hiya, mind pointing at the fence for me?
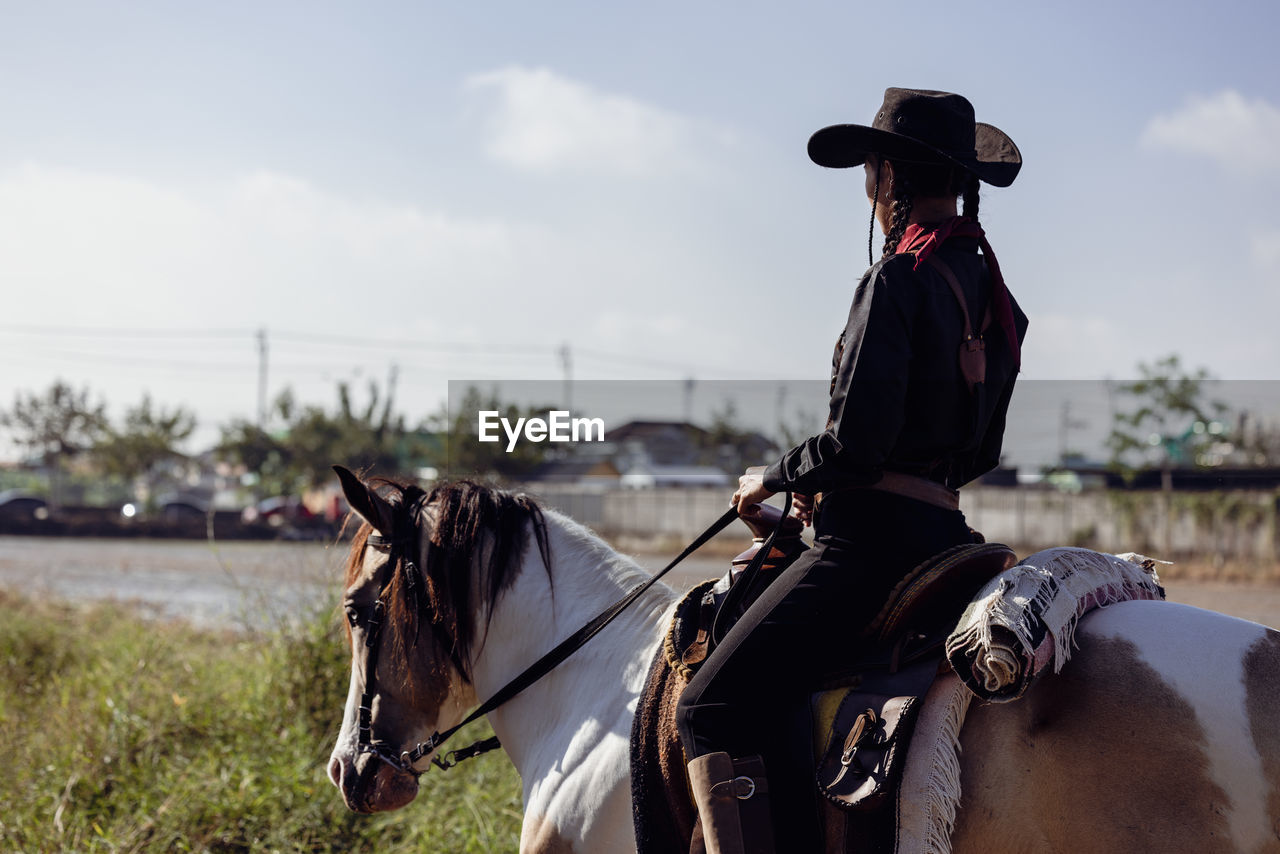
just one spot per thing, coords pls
(1236, 525)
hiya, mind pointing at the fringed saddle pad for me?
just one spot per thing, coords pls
(1025, 618)
(929, 794)
(662, 810)
(687, 642)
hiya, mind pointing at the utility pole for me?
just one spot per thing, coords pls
(782, 409)
(262, 378)
(566, 363)
(393, 373)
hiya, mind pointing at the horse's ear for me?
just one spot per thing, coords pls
(366, 503)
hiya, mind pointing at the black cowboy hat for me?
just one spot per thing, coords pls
(922, 126)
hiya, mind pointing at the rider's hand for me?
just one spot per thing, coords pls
(803, 507)
(751, 489)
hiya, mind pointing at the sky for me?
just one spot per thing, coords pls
(421, 193)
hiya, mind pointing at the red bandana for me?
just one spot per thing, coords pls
(923, 241)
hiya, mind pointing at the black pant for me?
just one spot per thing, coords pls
(750, 696)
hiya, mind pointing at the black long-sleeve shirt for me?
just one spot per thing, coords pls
(898, 399)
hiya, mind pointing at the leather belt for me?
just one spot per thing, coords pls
(911, 486)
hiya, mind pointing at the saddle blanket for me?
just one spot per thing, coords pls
(1025, 618)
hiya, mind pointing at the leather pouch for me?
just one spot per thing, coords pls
(862, 763)
(866, 728)
(973, 361)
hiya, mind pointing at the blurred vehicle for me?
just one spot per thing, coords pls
(18, 505)
(289, 517)
(277, 512)
(173, 508)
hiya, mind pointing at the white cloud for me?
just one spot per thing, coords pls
(89, 248)
(543, 121)
(1241, 134)
(369, 241)
(265, 250)
(269, 250)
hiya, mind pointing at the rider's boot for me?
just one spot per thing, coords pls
(732, 796)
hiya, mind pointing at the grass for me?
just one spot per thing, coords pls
(127, 735)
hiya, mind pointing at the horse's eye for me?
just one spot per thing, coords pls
(353, 617)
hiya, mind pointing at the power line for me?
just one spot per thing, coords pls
(403, 344)
(249, 335)
(114, 332)
(666, 364)
(252, 338)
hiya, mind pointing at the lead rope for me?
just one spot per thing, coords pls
(537, 670)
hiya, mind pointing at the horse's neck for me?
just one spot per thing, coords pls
(568, 733)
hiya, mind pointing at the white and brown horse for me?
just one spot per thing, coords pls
(1160, 735)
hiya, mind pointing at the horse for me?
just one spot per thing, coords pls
(1160, 734)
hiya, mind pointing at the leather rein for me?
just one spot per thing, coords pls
(372, 620)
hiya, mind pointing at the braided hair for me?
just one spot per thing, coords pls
(914, 180)
(899, 213)
(871, 229)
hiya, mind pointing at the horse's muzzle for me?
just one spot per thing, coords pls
(369, 785)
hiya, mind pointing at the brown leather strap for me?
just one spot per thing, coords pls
(919, 488)
(947, 273)
(907, 485)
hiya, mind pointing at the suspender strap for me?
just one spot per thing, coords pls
(973, 358)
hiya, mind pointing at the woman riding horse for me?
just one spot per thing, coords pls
(914, 415)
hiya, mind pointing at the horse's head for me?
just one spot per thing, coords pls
(424, 570)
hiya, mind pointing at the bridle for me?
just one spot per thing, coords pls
(371, 624)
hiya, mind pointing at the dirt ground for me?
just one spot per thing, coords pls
(252, 582)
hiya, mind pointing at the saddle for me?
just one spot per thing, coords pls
(863, 715)
(864, 718)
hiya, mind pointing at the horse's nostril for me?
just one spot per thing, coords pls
(335, 771)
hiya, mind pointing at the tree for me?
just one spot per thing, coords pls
(1172, 424)
(55, 427)
(368, 439)
(729, 446)
(467, 456)
(1257, 441)
(799, 427)
(149, 438)
(310, 440)
(264, 456)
